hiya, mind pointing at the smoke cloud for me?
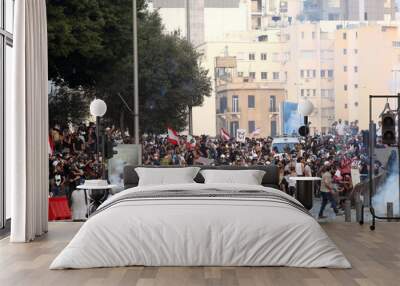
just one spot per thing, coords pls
(389, 191)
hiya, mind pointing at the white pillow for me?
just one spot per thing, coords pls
(248, 177)
(166, 176)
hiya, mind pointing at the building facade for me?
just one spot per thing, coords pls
(250, 106)
(367, 61)
(310, 70)
(257, 59)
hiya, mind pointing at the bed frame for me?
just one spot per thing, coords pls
(270, 179)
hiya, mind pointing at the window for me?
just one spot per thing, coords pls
(345, 106)
(330, 74)
(252, 75)
(263, 56)
(252, 126)
(314, 73)
(344, 36)
(356, 104)
(272, 103)
(302, 92)
(252, 57)
(313, 35)
(355, 68)
(273, 128)
(356, 86)
(345, 68)
(223, 104)
(308, 92)
(233, 127)
(345, 87)
(251, 101)
(344, 51)
(356, 51)
(275, 75)
(235, 104)
(323, 74)
(396, 44)
(308, 73)
(264, 75)
(302, 73)
(6, 64)
(302, 35)
(314, 92)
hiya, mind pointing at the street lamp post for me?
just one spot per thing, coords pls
(135, 75)
(305, 108)
(98, 108)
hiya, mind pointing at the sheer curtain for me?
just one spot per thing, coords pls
(27, 124)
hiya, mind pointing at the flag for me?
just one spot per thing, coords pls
(50, 145)
(190, 142)
(224, 135)
(173, 137)
(256, 132)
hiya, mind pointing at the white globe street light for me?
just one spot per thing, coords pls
(305, 108)
(98, 108)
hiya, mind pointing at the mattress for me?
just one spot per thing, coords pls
(201, 225)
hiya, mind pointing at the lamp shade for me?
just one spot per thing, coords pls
(306, 108)
(98, 108)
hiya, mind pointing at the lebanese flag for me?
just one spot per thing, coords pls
(50, 145)
(190, 142)
(224, 135)
(173, 137)
(256, 132)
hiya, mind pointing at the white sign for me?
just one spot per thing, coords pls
(241, 135)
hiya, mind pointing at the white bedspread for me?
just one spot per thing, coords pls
(202, 231)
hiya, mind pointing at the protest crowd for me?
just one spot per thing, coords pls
(73, 150)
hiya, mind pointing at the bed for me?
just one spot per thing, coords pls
(196, 224)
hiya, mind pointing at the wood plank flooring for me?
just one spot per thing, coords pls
(375, 257)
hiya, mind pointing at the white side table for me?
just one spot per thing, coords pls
(91, 202)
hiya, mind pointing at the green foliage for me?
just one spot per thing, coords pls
(66, 105)
(90, 47)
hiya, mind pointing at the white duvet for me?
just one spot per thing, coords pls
(200, 231)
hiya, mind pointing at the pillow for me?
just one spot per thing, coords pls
(248, 177)
(166, 176)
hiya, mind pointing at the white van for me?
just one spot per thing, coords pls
(282, 143)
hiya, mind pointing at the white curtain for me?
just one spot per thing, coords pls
(27, 124)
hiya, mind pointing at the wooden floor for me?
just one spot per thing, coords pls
(375, 257)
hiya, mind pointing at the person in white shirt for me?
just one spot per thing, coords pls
(299, 167)
(340, 128)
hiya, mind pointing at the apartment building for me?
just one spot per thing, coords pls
(367, 61)
(257, 59)
(309, 67)
(249, 105)
(346, 10)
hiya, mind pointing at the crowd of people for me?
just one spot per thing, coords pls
(329, 156)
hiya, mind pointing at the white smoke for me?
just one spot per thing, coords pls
(389, 191)
(293, 123)
(116, 173)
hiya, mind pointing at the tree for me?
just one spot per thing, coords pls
(66, 106)
(90, 47)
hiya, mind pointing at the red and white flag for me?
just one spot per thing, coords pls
(51, 145)
(256, 132)
(224, 134)
(173, 137)
(190, 142)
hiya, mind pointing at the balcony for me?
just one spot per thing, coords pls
(273, 110)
